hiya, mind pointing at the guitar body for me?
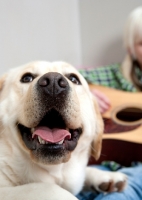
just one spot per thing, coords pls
(122, 139)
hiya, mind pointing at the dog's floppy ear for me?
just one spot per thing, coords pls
(97, 142)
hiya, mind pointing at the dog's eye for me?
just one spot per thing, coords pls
(73, 78)
(26, 78)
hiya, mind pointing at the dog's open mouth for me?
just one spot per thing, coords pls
(51, 135)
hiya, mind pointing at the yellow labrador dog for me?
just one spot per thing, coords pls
(49, 125)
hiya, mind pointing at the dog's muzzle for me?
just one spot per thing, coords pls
(51, 137)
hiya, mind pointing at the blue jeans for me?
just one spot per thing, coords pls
(133, 190)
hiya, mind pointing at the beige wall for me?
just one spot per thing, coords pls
(38, 30)
(82, 32)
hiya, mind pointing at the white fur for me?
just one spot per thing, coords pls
(21, 177)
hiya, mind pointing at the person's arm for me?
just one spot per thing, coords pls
(102, 99)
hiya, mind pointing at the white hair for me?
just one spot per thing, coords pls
(133, 30)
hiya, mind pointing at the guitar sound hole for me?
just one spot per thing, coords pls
(130, 114)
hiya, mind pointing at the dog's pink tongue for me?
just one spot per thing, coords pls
(52, 135)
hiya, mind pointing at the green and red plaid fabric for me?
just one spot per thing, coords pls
(109, 76)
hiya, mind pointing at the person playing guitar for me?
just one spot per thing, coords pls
(126, 76)
(122, 111)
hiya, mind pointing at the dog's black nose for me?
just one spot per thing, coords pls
(53, 83)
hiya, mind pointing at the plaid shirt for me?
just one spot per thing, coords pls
(109, 76)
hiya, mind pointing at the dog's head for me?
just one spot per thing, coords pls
(48, 110)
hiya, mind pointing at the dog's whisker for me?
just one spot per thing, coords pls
(93, 149)
(96, 151)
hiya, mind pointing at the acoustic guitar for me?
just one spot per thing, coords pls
(122, 138)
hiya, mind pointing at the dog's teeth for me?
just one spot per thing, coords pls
(61, 142)
(41, 141)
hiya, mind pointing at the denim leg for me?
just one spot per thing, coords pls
(133, 190)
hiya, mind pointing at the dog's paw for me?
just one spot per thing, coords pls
(110, 182)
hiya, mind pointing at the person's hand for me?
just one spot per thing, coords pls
(102, 99)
